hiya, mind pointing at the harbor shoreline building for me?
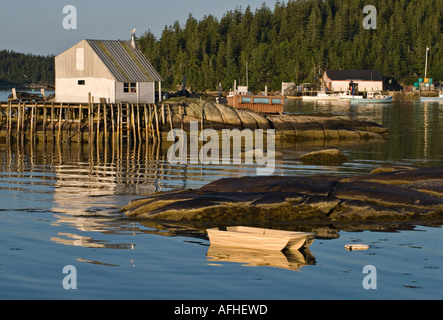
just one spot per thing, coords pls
(110, 71)
(343, 80)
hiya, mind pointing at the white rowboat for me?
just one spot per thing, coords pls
(260, 238)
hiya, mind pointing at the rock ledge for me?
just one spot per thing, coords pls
(390, 194)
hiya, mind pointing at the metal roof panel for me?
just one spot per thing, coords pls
(125, 62)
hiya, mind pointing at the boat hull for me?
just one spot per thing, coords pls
(320, 97)
(259, 238)
(434, 99)
(351, 97)
(375, 100)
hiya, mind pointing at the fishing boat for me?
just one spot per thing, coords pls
(433, 99)
(348, 95)
(374, 97)
(322, 96)
(260, 238)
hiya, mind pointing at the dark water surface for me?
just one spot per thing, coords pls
(60, 206)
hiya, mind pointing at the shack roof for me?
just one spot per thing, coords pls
(362, 75)
(125, 62)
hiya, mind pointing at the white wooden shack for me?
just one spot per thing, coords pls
(341, 80)
(107, 70)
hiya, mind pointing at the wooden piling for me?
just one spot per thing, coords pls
(23, 119)
(145, 109)
(157, 121)
(19, 116)
(67, 122)
(98, 122)
(141, 122)
(79, 127)
(170, 117)
(105, 122)
(90, 122)
(119, 119)
(138, 123)
(9, 115)
(45, 114)
(32, 121)
(151, 125)
(181, 115)
(59, 135)
(163, 118)
(133, 122)
(52, 120)
(112, 119)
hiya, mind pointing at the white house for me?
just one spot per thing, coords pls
(362, 80)
(114, 71)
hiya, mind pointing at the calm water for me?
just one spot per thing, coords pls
(59, 207)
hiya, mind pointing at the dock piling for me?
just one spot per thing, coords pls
(131, 122)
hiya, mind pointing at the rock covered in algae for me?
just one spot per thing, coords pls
(300, 127)
(391, 194)
(324, 157)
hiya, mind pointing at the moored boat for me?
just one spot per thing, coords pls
(322, 96)
(374, 97)
(259, 238)
(348, 95)
(433, 99)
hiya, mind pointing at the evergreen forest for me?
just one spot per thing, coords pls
(297, 40)
(18, 69)
(292, 41)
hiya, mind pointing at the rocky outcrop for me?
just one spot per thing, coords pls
(389, 194)
(288, 126)
(330, 157)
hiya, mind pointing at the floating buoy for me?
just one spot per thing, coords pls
(359, 246)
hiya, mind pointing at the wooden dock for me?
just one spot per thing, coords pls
(92, 122)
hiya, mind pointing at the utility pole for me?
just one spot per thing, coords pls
(247, 75)
(426, 64)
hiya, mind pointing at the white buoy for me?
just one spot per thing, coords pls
(358, 246)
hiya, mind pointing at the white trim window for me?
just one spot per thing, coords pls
(130, 87)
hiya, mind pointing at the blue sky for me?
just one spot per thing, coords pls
(31, 26)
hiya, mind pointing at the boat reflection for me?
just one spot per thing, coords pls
(72, 239)
(286, 259)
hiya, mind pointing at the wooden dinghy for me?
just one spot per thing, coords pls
(259, 238)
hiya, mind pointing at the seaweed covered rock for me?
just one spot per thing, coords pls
(288, 126)
(324, 157)
(402, 194)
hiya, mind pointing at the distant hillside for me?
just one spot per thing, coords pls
(18, 69)
(297, 40)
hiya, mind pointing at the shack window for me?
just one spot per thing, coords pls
(261, 100)
(130, 87)
(81, 82)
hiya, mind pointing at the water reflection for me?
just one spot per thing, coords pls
(287, 259)
(83, 185)
(72, 239)
(415, 130)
